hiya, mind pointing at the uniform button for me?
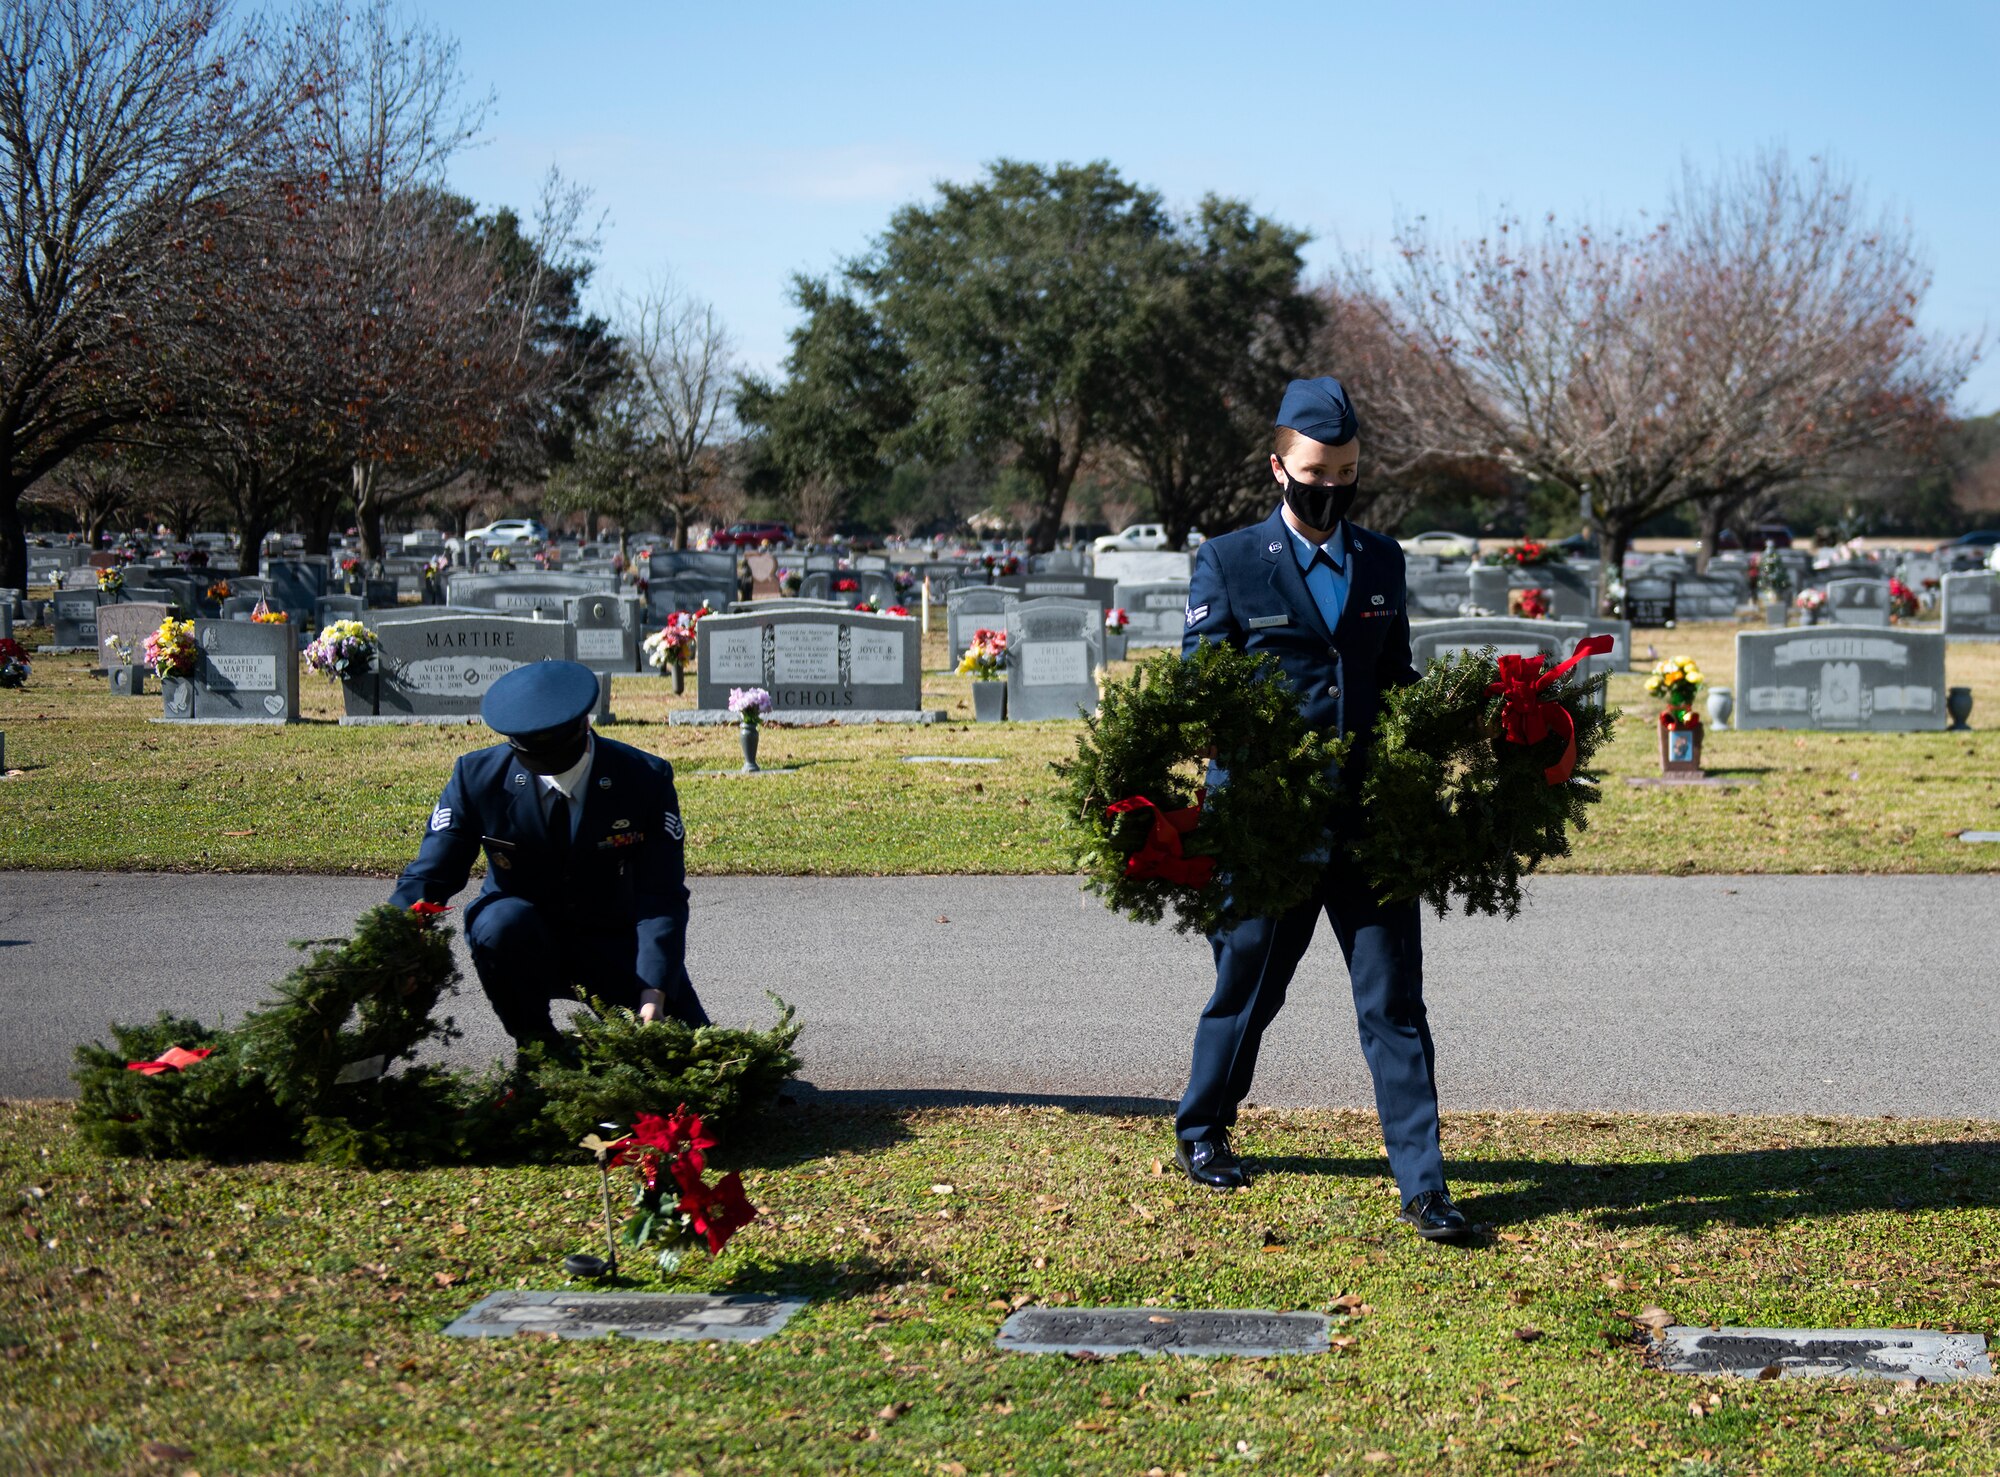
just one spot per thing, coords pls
(1333, 691)
(1334, 652)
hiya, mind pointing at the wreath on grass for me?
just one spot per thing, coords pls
(1478, 774)
(1147, 834)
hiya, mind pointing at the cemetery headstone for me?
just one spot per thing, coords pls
(1971, 606)
(607, 631)
(1157, 610)
(1878, 681)
(331, 608)
(1438, 594)
(131, 623)
(661, 1316)
(818, 666)
(1108, 1332)
(1709, 597)
(1061, 586)
(248, 673)
(763, 576)
(973, 608)
(1858, 602)
(517, 593)
(74, 618)
(1834, 1353)
(687, 591)
(1055, 649)
(1135, 567)
(1649, 600)
(437, 665)
(1488, 585)
(1507, 635)
(1569, 591)
(295, 587)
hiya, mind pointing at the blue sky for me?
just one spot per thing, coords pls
(733, 145)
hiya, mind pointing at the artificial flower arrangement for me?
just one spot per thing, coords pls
(263, 615)
(1812, 602)
(500, 558)
(1001, 564)
(545, 558)
(110, 581)
(1528, 604)
(867, 607)
(846, 585)
(1116, 619)
(436, 565)
(673, 645)
(986, 657)
(1525, 554)
(906, 581)
(1904, 602)
(349, 564)
(217, 592)
(170, 651)
(791, 581)
(750, 704)
(342, 649)
(1676, 684)
(14, 664)
(1771, 578)
(121, 654)
(673, 1205)
(897, 610)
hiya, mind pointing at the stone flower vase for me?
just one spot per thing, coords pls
(1721, 705)
(989, 701)
(128, 681)
(747, 735)
(177, 698)
(680, 678)
(1114, 645)
(1958, 704)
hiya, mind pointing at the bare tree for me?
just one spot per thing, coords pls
(1803, 341)
(91, 487)
(117, 119)
(679, 356)
(817, 503)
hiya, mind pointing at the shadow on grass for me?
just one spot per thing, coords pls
(1753, 1188)
(1110, 1105)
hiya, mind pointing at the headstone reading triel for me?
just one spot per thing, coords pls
(1055, 649)
(1878, 681)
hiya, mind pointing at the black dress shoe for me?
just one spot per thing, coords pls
(1435, 1217)
(1210, 1162)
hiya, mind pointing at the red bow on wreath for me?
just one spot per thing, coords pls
(1162, 856)
(1528, 717)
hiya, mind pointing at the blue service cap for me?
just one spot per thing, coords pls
(539, 696)
(1319, 409)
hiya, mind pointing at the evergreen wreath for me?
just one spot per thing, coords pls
(1455, 803)
(1144, 832)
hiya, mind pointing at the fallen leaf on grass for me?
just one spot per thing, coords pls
(239, 833)
(1620, 1284)
(1344, 1341)
(1697, 1410)
(1527, 1333)
(944, 1189)
(893, 1412)
(166, 1451)
(1656, 1319)
(1374, 1456)
(444, 1279)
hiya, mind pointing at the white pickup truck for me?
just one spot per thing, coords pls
(1140, 538)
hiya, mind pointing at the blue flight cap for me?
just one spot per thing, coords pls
(539, 696)
(1319, 409)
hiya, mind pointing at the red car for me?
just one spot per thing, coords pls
(750, 535)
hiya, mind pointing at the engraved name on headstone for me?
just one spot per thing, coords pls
(1243, 1333)
(814, 663)
(667, 1317)
(1055, 649)
(1882, 681)
(439, 667)
(1157, 612)
(1858, 602)
(525, 592)
(73, 614)
(1836, 1353)
(248, 673)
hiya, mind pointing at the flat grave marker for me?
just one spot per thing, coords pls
(1833, 1353)
(661, 1316)
(1107, 1332)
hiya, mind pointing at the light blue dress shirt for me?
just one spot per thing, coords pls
(1326, 581)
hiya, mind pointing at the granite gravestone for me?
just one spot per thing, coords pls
(1649, 600)
(1507, 635)
(437, 666)
(1567, 590)
(331, 608)
(688, 590)
(1438, 594)
(819, 666)
(1158, 612)
(607, 632)
(1709, 597)
(1971, 606)
(664, 1316)
(714, 564)
(521, 593)
(1108, 1332)
(1055, 649)
(295, 587)
(131, 623)
(1836, 1353)
(1857, 602)
(1061, 587)
(247, 673)
(1487, 588)
(974, 608)
(1877, 681)
(73, 614)
(1132, 567)
(1061, 561)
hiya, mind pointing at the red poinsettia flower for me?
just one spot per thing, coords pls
(719, 1211)
(173, 1059)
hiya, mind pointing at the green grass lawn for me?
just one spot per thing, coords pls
(276, 1318)
(102, 787)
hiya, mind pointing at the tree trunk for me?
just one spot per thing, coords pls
(1614, 539)
(680, 530)
(1713, 514)
(1043, 531)
(13, 538)
(250, 544)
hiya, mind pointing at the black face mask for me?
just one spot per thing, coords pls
(1319, 507)
(551, 751)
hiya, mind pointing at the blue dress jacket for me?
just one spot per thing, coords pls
(624, 873)
(1247, 590)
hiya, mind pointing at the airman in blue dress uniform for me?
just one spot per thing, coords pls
(1328, 600)
(585, 883)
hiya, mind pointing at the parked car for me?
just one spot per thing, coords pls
(511, 531)
(1444, 545)
(1761, 536)
(750, 535)
(1136, 538)
(1983, 538)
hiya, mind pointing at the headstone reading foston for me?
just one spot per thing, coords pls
(249, 673)
(73, 614)
(1971, 605)
(819, 666)
(973, 608)
(438, 669)
(1055, 649)
(525, 592)
(666, 1316)
(1107, 1332)
(1157, 612)
(1838, 1353)
(1878, 681)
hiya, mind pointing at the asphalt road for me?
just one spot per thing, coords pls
(1837, 995)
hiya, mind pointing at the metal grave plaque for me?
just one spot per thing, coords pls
(1839, 1353)
(1242, 1333)
(671, 1317)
